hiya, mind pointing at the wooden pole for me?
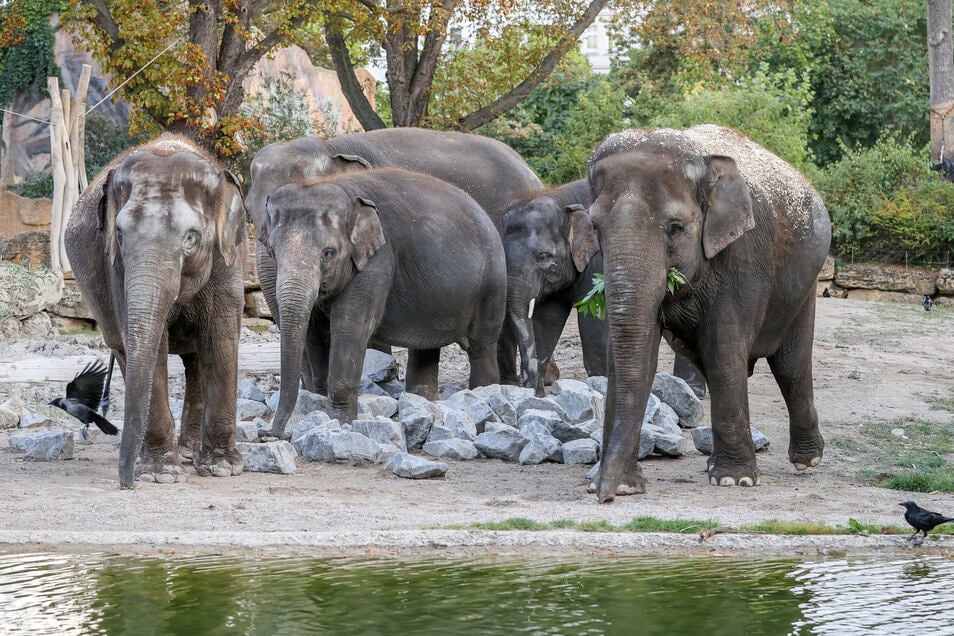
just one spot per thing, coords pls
(57, 254)
(78, 128)
(941, 74)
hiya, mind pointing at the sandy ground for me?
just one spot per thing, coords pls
(873, 362)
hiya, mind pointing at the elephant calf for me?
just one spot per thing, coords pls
(157, 245)
(552, 253)
(388, 257)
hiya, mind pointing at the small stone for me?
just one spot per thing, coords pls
(383, 431)
(370, 388)
(677, 393)
(247, 389)
(759, 439)
(417, 427)
(668, 444)
(592, 473)
(540, 404)
(568, 384)
(246, 431)
(461, 424)
(702, 439)
(580, 451)
(414, 467)
(247, 410)
(8, 417)
(504, 444)
(667, 419)
(498, 402)
(474, 406)
(271, 457)
(379, 366)
(452, 448)
(598, 383)
(45, 445)
(32, 419)
(386, 453)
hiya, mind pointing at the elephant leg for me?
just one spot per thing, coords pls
(507, 354)
(732, 461)
(317, 345)
(549, 318)
(791, 365)
(683, 368)
(632, 482)
(593, 339)
(422, 367)
(190, 427)
(159, 461)
(218, 361)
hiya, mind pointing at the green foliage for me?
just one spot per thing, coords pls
(674, 280)
(861, 182)
(40, 187)
(594, 303)
(104, 141)
(26, 50)
(652, 524)
(637, 524)
(915, 224)
(771, 108)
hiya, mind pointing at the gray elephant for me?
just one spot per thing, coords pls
(488, 170)
(384, 256)
(552, 253)
(749, 234)
(157, 246)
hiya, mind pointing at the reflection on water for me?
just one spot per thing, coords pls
(105, 594)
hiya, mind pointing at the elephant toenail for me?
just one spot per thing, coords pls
(745, 481)
(727, 481)
(814, 461)
(799, 466)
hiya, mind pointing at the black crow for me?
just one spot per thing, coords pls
(83, 397)
(826, 293)
(922, 520)
(927, 302)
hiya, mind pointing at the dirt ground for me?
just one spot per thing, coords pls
(873, 362)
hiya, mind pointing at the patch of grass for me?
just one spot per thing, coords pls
(258, 328)
(652, 524)
(639, 524)
(774, 526)
(515, 523)
(942, 403)
(79, 332)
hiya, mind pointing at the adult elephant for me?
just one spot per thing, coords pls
(488, 170)
(157, 246)
(384, 256)
(749, 234)
(552, 253)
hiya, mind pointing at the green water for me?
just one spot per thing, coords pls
(103, 594)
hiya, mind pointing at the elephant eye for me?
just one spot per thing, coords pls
(190, 241)
(543, 257)
(119, 238)
(327, 254)
(674, 227)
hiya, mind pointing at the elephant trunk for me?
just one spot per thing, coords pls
(635, 332)
(265, 267)
(149, 300)
(296, 297)
(521, 301)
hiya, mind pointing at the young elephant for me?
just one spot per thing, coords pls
(157, 245)
(386, 256)
(552, 253)
(749, 234)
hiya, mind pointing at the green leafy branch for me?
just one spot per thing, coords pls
(594, 303)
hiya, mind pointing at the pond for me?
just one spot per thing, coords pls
(55, 593)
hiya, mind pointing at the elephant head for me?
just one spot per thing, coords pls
(658, 204)
(319, 236)
(172, 222)
(547, 244)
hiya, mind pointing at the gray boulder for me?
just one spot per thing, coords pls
(44, 445)
(414, 467)
(338, 446)
(383, 431)
(540, 404)
(247, 410)
(679, 395)
(567, 384)
(417, 427)
(271, 457)
(505, 443)
(460, 424)
(452, 448)
(702, 439)
(32, 419)
(667, 419)
(371, 388)
(580, 451)
(474, 406)
(759, 439)
(598, 383)
(541, 446)
(379, 366)
(377, 405)
(246, 431)
(494, 396)
(579, 402)
(247, 389)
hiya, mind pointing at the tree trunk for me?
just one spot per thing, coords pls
(941, 71)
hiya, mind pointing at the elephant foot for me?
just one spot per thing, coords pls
(807, 453)
(187, 450)
(161, 472)
(218, 464)
(632, 483)
(722, 474)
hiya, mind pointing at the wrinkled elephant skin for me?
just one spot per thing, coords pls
(749, 234)
(157, 246)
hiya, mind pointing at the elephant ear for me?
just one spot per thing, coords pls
(109, 205)
(229, 216)
(367, 236)
(350, 162)
(582, 237)
(727, 205)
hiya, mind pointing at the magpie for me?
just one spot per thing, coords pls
(922, 520)
(83, 397)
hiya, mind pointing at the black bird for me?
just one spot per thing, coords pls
(927, 302)
(826, 293)
(83, 397)
(922, 520)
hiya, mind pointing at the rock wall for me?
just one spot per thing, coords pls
(894, 283)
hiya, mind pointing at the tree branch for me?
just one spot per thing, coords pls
(507, 101)
(360, 106)
(104, 21)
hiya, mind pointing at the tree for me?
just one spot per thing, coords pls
(941, 72)
(196, 87)
(412, 33)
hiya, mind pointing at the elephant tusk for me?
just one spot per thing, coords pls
(533, 302)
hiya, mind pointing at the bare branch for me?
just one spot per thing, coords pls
(360, 106)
